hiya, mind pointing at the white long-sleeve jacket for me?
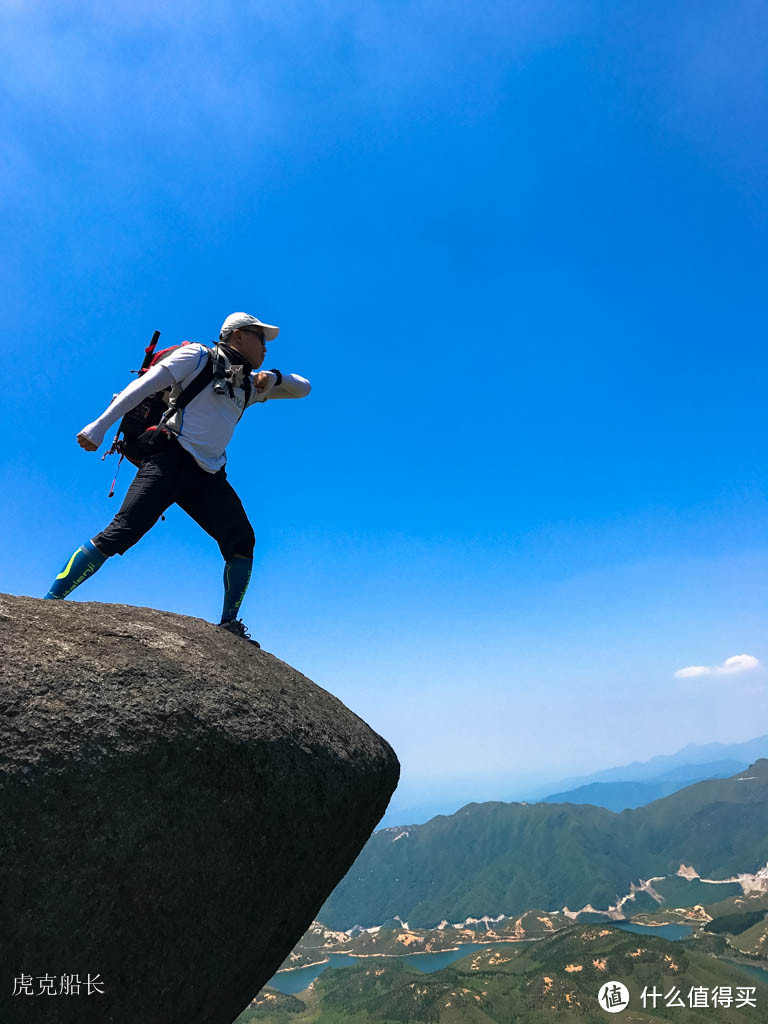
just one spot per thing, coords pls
(205, 427)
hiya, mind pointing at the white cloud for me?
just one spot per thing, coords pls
(738, 663)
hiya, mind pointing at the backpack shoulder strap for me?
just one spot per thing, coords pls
(247, 389)
(198, 384)
(214, 370)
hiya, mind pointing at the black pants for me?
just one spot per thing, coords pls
(173, 477)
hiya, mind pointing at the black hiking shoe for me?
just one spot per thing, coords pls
(237, 628)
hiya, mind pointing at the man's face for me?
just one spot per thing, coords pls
(249, 342)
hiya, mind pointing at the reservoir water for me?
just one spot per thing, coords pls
(675, 932)
(292, 982)
(757, 972)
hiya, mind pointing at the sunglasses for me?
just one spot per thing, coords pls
(253, 330)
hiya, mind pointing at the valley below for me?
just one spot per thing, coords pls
(434, 923)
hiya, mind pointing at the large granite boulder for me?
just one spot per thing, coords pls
(175, 806)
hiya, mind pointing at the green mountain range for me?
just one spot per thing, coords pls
(556, 979)
(497, 858)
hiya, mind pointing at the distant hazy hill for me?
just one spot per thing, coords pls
(497, 858)
(666, 765)
(618, 796)
(685, 766)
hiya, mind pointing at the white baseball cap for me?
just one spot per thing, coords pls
(237, 320)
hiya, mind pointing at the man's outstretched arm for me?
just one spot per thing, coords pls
(272, 384)
(268, 384)
(157, 379)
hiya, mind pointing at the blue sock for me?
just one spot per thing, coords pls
(83, 563)
(237, 575)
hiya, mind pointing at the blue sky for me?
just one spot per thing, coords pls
(520, 252)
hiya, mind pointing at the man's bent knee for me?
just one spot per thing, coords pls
(238, 546)
(118, 537)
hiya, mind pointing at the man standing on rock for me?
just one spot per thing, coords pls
(187, 468)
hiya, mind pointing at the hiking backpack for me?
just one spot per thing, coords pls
(143, 429)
